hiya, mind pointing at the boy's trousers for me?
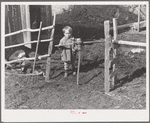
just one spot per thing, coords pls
(66, 64)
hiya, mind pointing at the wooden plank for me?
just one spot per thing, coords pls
(28, 30)
(37, 46)
(32, 58)
(139, 18)
(107, 41)
(90, 42)
(50, 48)
(115, 52)
(130, 43)
(17, 45)
(127, 25)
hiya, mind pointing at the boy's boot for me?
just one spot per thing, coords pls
(66, 74)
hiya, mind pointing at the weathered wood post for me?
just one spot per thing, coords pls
(115, 52)
(50, 48)
(139, 18)
(107, 54)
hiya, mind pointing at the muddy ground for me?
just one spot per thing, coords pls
(60, 93)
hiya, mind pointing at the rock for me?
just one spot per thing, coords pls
(17, 55)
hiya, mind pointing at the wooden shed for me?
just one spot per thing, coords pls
(18, 17)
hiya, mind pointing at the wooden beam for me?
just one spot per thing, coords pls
(115, 52)
(17, 45)
(91, 42)
(139, 18)
(28, 30)
(107, 61)
(50, 48)
(130, 43)
(87, 42)
(23, 59)
(127, 25)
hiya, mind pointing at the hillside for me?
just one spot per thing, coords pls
(88, 20)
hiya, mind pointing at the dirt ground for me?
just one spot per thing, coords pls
(60, 93)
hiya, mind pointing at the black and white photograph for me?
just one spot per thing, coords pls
(75, 61)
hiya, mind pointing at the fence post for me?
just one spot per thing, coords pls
(115, 48)
(107, 54)
(139, 18)
(50, 48)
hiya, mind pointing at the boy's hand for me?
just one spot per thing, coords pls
(61, 47)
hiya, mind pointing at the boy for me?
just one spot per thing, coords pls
(68, 51)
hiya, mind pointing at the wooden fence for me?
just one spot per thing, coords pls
(112, 44)
(37, 41)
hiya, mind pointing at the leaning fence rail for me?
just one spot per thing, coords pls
(130, 43)
(21, 44)
(128, 25)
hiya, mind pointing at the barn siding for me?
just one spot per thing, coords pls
(13, 23)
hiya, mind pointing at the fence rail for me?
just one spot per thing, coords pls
(128, 25)
(130, 43)
(28, 30)
(111, 76)
(86, 42)
(23, 59)
(17, 45)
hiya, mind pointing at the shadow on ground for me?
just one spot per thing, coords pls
(129, 78)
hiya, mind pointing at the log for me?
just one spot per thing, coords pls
(127, 25)
(17, 45)
(115, 53)
(139, 18)
(90, 42)
(28, 30)
(32, 58)
(130, 43)
(107, 42)
(50, 48)
(87, 42)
